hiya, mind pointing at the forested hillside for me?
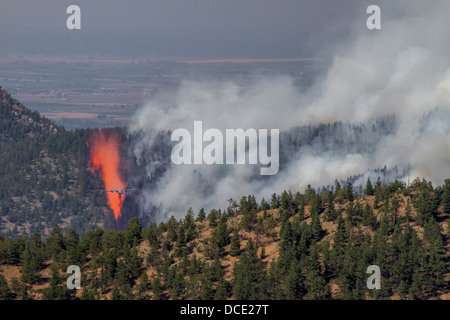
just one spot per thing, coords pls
(315, 245)
(44, 180)
(292, 246)
(17, 121)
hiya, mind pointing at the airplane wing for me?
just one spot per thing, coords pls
(117, 190)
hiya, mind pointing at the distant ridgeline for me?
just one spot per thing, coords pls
(17, 121)
(341, 139)
(154, 147)
(337, 137)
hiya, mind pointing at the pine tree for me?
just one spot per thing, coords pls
(337, 189)
(446, 196)
(29, 268)
(178, 288)
(110, 265)
(402, 290)
(316, 227)
(376, 201)
(350, 213)
(316, 206)
(212, 218)
(37, 251)
(395, 205)
(55, 244)
(339, 243)
(5, 290)
(72, 244)
(57, 291)
(294, 285)
(133, 263)
(310, 194)
(264, 205)
(235, 246)
(437, 267)
(301, 210)
(122, 274)
(274, 202)
(249, 273)
(263, 253)
(201, 215)
(190, 225)
(133, 233)
(116, 294)
(195, 266)
(285, 200)
(157, 288)
(206, 290)
(385, 227)
(408, 210)
(221, 292)
(368, 191)
(286, 247)
(368, 218)
(220, 233)
(348, 194)
(143, 287)
(377, 191)
(152, 235)
(193, 288)
(414, 291)
(215, 270)
(317, 288)
(23, 291)
(181, 243)
(172, 234)
(330, 212)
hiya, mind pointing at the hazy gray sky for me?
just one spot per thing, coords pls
(190, 28)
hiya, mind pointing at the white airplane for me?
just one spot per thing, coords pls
(118, 191)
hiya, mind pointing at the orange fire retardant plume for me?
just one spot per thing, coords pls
(104, 157)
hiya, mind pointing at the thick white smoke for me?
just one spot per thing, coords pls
(402, 69)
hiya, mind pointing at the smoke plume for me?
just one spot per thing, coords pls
(382, 103)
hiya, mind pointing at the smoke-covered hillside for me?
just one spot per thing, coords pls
(317, 155)
(170, 190)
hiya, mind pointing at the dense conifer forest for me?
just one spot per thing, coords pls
(311, 245)
(292, 246)
(44, 178)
